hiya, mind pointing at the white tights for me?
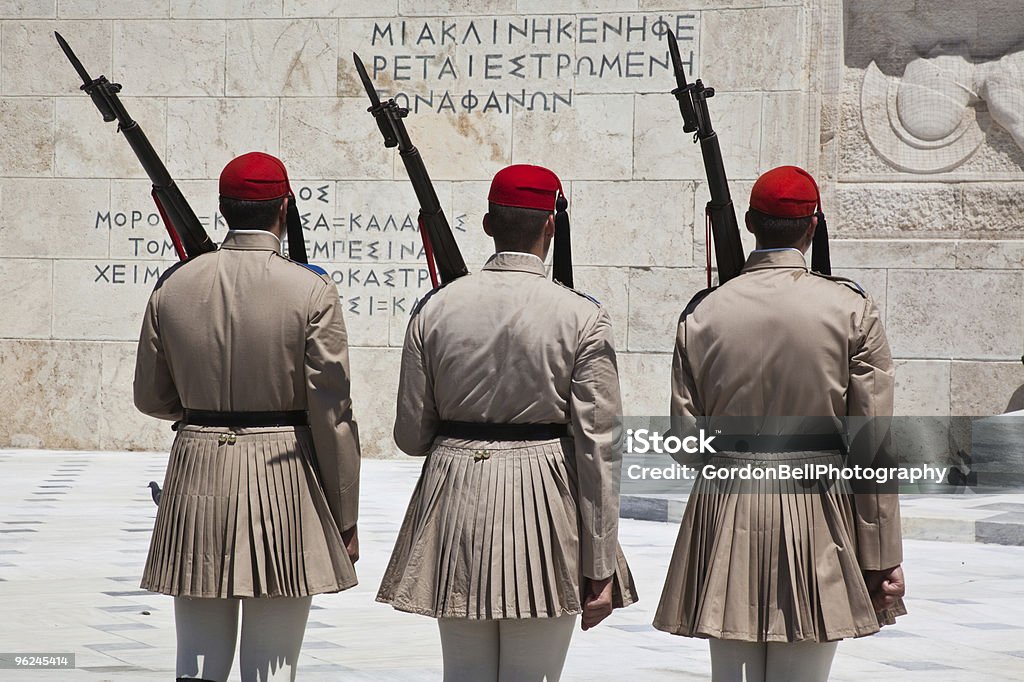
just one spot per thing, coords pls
(735, 661)
(272, 631)
(526, 650)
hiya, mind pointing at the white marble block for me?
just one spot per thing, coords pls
(179, 58)
(283, 58)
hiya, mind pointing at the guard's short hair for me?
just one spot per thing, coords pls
(514, 228)
(249, 215)
(777, 233)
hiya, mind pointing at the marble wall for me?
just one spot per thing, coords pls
(580, 86)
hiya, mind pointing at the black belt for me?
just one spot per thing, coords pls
(808, 442)
(245, 419)
(486, 431)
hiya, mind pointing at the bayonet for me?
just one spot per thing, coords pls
(383, 113)
(683, 90)
(367, 83)
(75, 61)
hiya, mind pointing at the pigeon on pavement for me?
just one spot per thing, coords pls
(154, 489)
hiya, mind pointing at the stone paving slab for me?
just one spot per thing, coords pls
(996, 518)
(70, 585)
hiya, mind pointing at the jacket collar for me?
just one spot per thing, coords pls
(765, 259)
(251, 240)
(517, 262)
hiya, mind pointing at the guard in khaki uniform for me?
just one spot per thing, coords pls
(775, 572)
(510, 390)
(247, 350)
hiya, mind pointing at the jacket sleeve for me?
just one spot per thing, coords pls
(685, 401)
(154, 389)
(595, 410)
(870, 406)
(328, 397)
(416, 417)
(685, 408)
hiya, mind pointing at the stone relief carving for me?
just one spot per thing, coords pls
(928, 120)
(941, 82)
(1001, 85)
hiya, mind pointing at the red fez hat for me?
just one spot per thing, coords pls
(525, 186)
(254, 177)
(786, 192)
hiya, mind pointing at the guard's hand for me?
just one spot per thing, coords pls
(886, 587)
(597, 602)
(351, 539)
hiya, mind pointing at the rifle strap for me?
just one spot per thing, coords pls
(175, 239)
(428, 251)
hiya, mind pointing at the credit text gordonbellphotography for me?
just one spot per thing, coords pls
(511, 340)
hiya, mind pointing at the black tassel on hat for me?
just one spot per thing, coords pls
(296, 240)
(561, 261)
(820, 261)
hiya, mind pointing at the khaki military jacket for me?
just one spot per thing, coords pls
(507, 345)
(779, 341)
(245, 329)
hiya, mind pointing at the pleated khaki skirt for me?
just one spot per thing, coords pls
(492, 532)
(246, 518)
(768, 561)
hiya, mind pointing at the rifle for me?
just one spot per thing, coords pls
(719, 214)
(184, 228)
(438, 241)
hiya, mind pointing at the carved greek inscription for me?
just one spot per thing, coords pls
(376, 257)
(496, 65)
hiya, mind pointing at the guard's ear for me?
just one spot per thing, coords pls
(549, 226)
(809, 234)
(749, 223)
(282, 213)
(487, 225)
